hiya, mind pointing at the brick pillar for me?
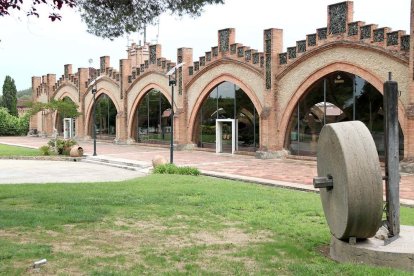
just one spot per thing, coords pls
(50, 89)
(83, 76)
(36, 81)
(273, 45)
(121, 129)
(105, 63)
(181, 121)
(339, 15)
(409, 128)
(125, 71)
(226, 37)
(68, 70)
(50, 83)
(154, 53)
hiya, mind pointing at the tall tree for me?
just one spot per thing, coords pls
(54, 6)
(9, 96)
(114, 18)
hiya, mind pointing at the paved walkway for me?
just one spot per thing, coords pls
(291, 173)
(44, 171)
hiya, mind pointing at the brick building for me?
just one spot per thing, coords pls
(266, 102)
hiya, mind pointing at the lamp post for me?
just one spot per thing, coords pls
(94, 90)
(94, 120)
(172, 81)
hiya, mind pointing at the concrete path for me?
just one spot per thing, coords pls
(297, 174)
(40, 171)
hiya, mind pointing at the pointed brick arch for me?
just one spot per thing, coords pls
(104, 86)
(136, 101)
(61, 97)
(206, 91)
(67, 90)
(373, 79)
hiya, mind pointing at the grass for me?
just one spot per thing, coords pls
(6, 150)
(168, 225)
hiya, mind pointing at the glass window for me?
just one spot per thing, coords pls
(228, 101)
(338, 97)
(153, 120)
(60, 117)
(105, 118)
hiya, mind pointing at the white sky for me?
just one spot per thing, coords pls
(34, 47)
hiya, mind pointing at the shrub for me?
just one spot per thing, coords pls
(11, 125)
(62, 146)
(188, 171)
(45, 150)
(173, 169)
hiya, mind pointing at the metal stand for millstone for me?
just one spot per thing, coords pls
(392, 163)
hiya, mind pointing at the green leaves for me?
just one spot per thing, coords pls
(173, 169)
(111, 19)
(9, 96)
(67, 108)
(11, 125)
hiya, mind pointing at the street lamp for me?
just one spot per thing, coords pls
(172, 81)
(94, 90)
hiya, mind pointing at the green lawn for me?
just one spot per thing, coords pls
(6, 150)
(167, 225)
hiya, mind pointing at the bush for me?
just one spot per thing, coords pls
(62, 146)
(173, 169)
(45, 150)
(11, 125)
(188, 171)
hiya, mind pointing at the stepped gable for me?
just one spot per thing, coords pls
(105, 69)
(342, 28)
(227, 49)
(147, 59)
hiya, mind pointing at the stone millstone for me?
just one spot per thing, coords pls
(353, 207)
(158, 160)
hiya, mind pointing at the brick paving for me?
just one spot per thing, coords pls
(294, 172)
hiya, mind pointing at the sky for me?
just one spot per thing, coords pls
(33, 46)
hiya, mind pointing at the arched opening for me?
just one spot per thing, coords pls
(152, 120)
(59, 125)
(227, 101)
(337, 97)
(105, 118)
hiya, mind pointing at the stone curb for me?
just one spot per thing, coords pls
(281, 184)
(43, 158)
(261, 181)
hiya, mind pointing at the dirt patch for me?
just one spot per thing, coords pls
(124, 243)
(323, 250)
(230, 236)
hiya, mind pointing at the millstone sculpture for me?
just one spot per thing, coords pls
(351, 187)
(349, 176)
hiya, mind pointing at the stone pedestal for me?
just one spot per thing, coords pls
(398, 254)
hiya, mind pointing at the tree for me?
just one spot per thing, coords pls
(54, 5)
(11, 125)
(114, 18)
(9, 96)
(68, 108)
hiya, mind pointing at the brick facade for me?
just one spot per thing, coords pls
(274, 80)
